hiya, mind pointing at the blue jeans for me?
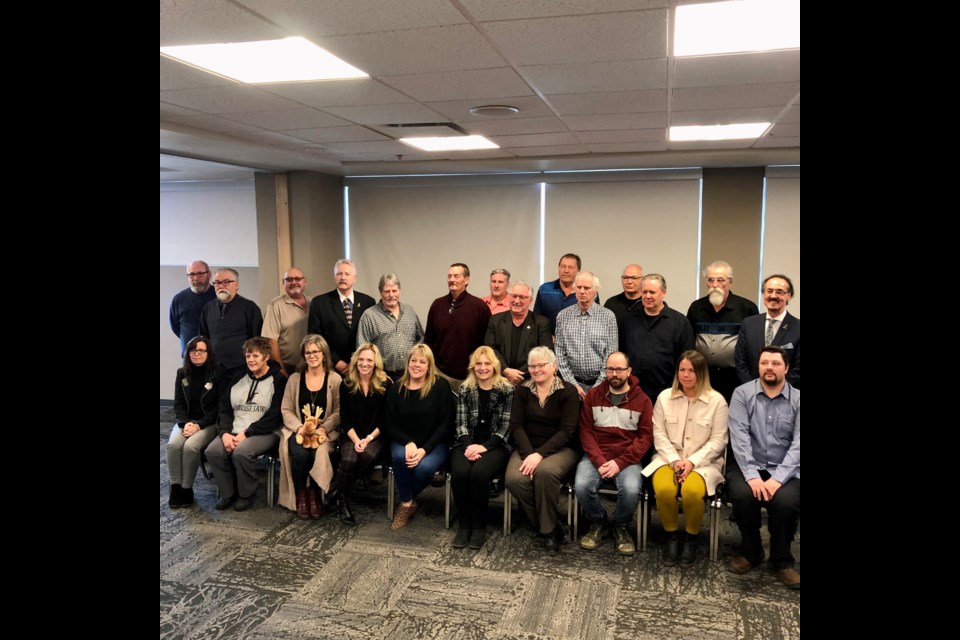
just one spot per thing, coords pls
(410, 482)
(628, 482)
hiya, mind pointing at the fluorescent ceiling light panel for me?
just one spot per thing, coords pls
(719, 132)
(450, 143)
(287, 60)
(736, 27)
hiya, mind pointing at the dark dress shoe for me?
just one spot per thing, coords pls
(242, 504)
(225, 503)
(346, 515)
(303, 511)
(478, 537)
(554, 540)
(176, 496)
(316, 510)
(671, 551)
(462, 538)
(689, 553)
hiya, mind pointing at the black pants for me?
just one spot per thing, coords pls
(301, 461)
(471, 483)
(353, 465)
(783, 514)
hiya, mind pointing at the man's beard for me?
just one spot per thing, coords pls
(715, 297)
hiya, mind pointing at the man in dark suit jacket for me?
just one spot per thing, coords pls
(328, 315)
(777, 292)
(513, 334)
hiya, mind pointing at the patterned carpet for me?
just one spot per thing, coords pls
(263, 574)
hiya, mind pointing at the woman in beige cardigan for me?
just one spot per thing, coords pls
(317, 386)
(690, 436)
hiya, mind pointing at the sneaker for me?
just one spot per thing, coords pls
(790, 577)
(598, 531)
(402, 516)
(462, 538)
(740, 565)
(225, 503)
(623, 541)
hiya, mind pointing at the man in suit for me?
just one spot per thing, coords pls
(513, 334)
(335, 315)
(775, 327)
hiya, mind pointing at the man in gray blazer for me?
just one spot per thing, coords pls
(513, 334)
(775, 327)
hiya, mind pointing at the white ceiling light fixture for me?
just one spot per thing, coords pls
(719, 132)
(450, 143)
(266, 61)
(736, 27)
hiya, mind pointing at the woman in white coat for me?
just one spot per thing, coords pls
(690, 436)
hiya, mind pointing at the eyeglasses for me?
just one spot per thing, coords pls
(222, 283)
(197, 274)
(534, 367)
(779, 292)
(198, 350)
(313, 354)
(520, 297)
(716, 281)
(617, 370)
(294, 279)
(630, 277)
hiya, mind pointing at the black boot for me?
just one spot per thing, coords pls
(672, 549)
(343, 510)
(176, 496)
(478, 535)
(186, 497)
(463, 534)
(689, 553)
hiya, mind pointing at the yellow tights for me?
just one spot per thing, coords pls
(692, 492)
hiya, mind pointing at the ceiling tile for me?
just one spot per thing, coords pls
(791, 116)
(338, 93)
(167, 110)
(213, 123)
(236, 99)
(626, 147)
(596, 38)
(337, 134)
(738, 69)
(341, 17)
(495, 127)
(711, 144)
(724, 116)
(386, 113)
(735, 97)
(598, 76)
(381, 146)
(555, 150)
(633, 135)
(176, 75)
(424, 50)
(575, 104)
(617, 121)
(304, 118)
(459, 110)
(512, 9)
(535, 140)
(785, 131)
(768, 142)
(209, 21)
(463, 85)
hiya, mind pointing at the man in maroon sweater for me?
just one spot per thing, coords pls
(616, 430)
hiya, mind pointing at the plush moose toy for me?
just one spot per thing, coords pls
(309, 435)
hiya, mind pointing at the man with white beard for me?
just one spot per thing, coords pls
(229, 321)
(716, 320)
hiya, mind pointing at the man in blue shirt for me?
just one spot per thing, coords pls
(553, 297)
(186, 306)
(764, 428)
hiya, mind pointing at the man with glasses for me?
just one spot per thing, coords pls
(616, 431)
(498, 301)
(513, 334)
(716, 319)
(285, 322)
(229, 321)
(586, 335)
(776, 327)
(186, 306)
(627, 302)
(335, 315)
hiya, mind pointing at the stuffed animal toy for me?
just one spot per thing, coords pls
(309, 435)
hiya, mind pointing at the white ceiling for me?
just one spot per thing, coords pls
(595, 82)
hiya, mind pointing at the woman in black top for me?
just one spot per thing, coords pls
(363, 397)
(419, 423)
(196, 400)
(483, 447)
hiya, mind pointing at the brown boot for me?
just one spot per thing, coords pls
(316, 506)
(302, 512)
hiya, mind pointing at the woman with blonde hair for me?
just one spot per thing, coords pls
(483, 443)
(690, 436)
(419, 423)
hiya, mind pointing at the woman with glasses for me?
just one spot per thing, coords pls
(483, 443)
(419, 423)
(313, 390)
(196, 400)
(363, 401)
(246, 429)
(544, 419)
(690, 436)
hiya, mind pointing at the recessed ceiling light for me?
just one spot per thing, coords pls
(719, 132)
(736, 27)
(287, 60)
(450, 143)
(494, 110)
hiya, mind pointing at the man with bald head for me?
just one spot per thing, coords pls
(229, 321)
(285, 322)
(628, 301)
(586, 335)
(186, 306)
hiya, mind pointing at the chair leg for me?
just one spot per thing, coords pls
(644, 520)
(715, 505)
(203, 467)
(576, 517)
(447, 490)
(507, 513)
(571, 512)
(271, 481)
(390, 489)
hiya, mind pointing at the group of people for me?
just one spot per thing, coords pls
(570, 391)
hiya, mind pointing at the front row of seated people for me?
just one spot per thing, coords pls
(528, 433)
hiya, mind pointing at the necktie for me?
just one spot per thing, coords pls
(770, 331)
(348, 311)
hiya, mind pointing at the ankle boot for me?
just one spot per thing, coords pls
(302, 511)
(672, 549)
(689, 553)
(316, 510)
(186, 496)
(176, 497)
(343, 510)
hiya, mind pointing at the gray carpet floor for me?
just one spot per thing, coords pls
(263, 574)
